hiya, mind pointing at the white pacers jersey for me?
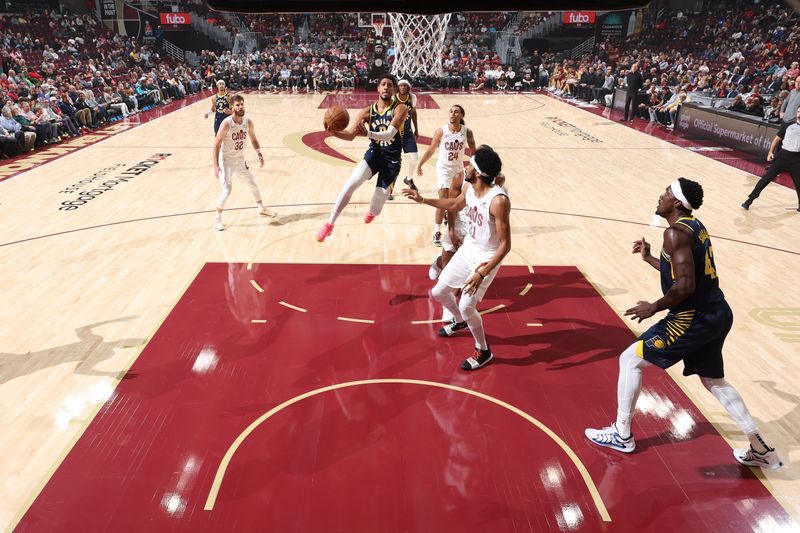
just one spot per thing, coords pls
(233, 143)
(481, 230)
(451, 151)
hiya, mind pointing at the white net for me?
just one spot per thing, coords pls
(418, 44)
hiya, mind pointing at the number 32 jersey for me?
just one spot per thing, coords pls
(234, 141)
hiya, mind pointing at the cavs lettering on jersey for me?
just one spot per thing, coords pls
(410, 102)
(221, 103)
(380, 121)
(451, 149)
(233, 143)
(481, 230)
(707, 291)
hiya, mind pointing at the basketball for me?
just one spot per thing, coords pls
(337, 118)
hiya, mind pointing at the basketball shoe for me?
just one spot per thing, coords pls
(218, 224)
(450, 329)
(264, 212)
(324, 231)
(478, 359)
(369, 217)
(610, 438)
(410, 182)
(437, 238)
(768, 460)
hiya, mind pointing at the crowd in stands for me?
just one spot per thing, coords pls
(738, 57)
(55, 83)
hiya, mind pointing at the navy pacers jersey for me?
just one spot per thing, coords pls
(707, 291)
(409, 103)
(221, 103)
(381, 122)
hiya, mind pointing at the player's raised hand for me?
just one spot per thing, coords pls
(641, 310)
(642, 247)
(413, 195)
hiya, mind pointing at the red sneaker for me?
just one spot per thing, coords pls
(369, 217)
(324, 231)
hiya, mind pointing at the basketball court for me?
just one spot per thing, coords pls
(157, 374)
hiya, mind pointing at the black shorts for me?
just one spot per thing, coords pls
(386, 167)
(409, 143)
(218, 118)
(696, 337)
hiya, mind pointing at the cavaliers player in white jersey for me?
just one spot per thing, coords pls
(475, 264)
(451, 140)
(229, 157)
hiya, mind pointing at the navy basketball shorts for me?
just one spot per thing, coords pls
(218, 118)
(409, 143)
(695, 337)
(387, 167)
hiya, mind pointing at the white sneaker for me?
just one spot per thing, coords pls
(218, 224)
(610, 438)
(264, 212)
(435, 269)
(768, 460)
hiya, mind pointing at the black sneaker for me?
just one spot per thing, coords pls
(450, 329)
(478, 359)
(410, 182)
(747, 203)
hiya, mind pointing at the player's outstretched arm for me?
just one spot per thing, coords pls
(398, 118)
(223, 131)
(448, 204)
(471, 140)
(251, 131)
(356, 128)
(437, 138)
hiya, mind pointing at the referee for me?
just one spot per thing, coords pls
(786, 159)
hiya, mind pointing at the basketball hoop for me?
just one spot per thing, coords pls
(418, 43)
(378, 24)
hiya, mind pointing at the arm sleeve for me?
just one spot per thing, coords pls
(387, 135)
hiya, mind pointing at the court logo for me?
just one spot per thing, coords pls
(683, 122)
(111, 178)
(656, 342)
(572, 128)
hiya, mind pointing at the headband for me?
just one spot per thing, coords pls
(678, 193)
(401, 82)
(476, 167)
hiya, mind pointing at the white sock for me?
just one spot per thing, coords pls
(732, 401)
(468, 307)
(378, 200)
(447, 297)
(629, 384)
(360, 175)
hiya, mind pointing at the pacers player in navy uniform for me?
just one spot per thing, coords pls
(410, 128)
(385, 119)
(220, 105)
(693, 331)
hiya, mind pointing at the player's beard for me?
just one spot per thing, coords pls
(239, 113)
